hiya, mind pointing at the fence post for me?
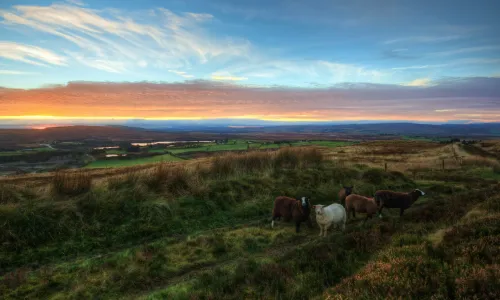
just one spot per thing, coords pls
(385, 166)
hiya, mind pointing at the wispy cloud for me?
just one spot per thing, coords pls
(457, 62)
(30, 54)
(14, 72)
(230, 78)
(76, 2)
(444, 110)
(297, 71)
(465, 50)
(420, 67)
(181, 73)
(398, 54)
(166, 40)
(423, 39)
(419, 82)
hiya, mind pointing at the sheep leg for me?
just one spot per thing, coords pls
(309, 223)
(380, 210)
(320, 229)
(272, 223)
(401, 211)
(297, 227)
(354, 214)
(326, 229)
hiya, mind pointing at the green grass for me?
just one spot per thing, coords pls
(417, 138)
(115, 151)
(20, 152)
(267, 146)
(42, 149)
(9, 153)
(205, 234)
(240, 145)
(323, 143)
(211, 148)
(157, 150)
(131, 162)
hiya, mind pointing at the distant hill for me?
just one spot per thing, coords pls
(11, 138)
(455, 130)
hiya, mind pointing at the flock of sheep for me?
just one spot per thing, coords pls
(336, 214)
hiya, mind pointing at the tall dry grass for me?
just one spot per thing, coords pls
(71, 183)
(172, 178)
(477, 161)
(230, 163)
(251, 162)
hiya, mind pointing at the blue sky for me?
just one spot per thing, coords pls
(264, 43)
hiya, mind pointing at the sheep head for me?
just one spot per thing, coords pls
(305, 202)
(319, 209)
(416, 193)
(419, 191)
(348, 190)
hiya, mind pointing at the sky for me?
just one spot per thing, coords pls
(285, 60)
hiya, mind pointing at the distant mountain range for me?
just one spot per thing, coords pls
(189, 124)
(241, 123)
(346, 128)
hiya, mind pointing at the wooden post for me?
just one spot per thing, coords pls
(385, 166)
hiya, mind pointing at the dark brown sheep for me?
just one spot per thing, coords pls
(344, 192)
(292, 209)
(390, 199)
(360, 204)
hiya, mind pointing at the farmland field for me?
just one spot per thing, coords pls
(190, 230)
(108, 163)
(115, 151)
(322, 143)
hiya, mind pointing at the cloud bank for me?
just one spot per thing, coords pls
(476, 99)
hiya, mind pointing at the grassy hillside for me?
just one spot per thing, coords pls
(108, 163)
(202, 232)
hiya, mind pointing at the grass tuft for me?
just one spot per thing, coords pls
(71, 183)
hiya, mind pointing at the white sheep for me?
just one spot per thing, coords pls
(327, 215)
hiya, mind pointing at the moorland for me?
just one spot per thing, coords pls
(199, 228)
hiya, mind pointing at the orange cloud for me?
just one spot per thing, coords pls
(476, 99)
